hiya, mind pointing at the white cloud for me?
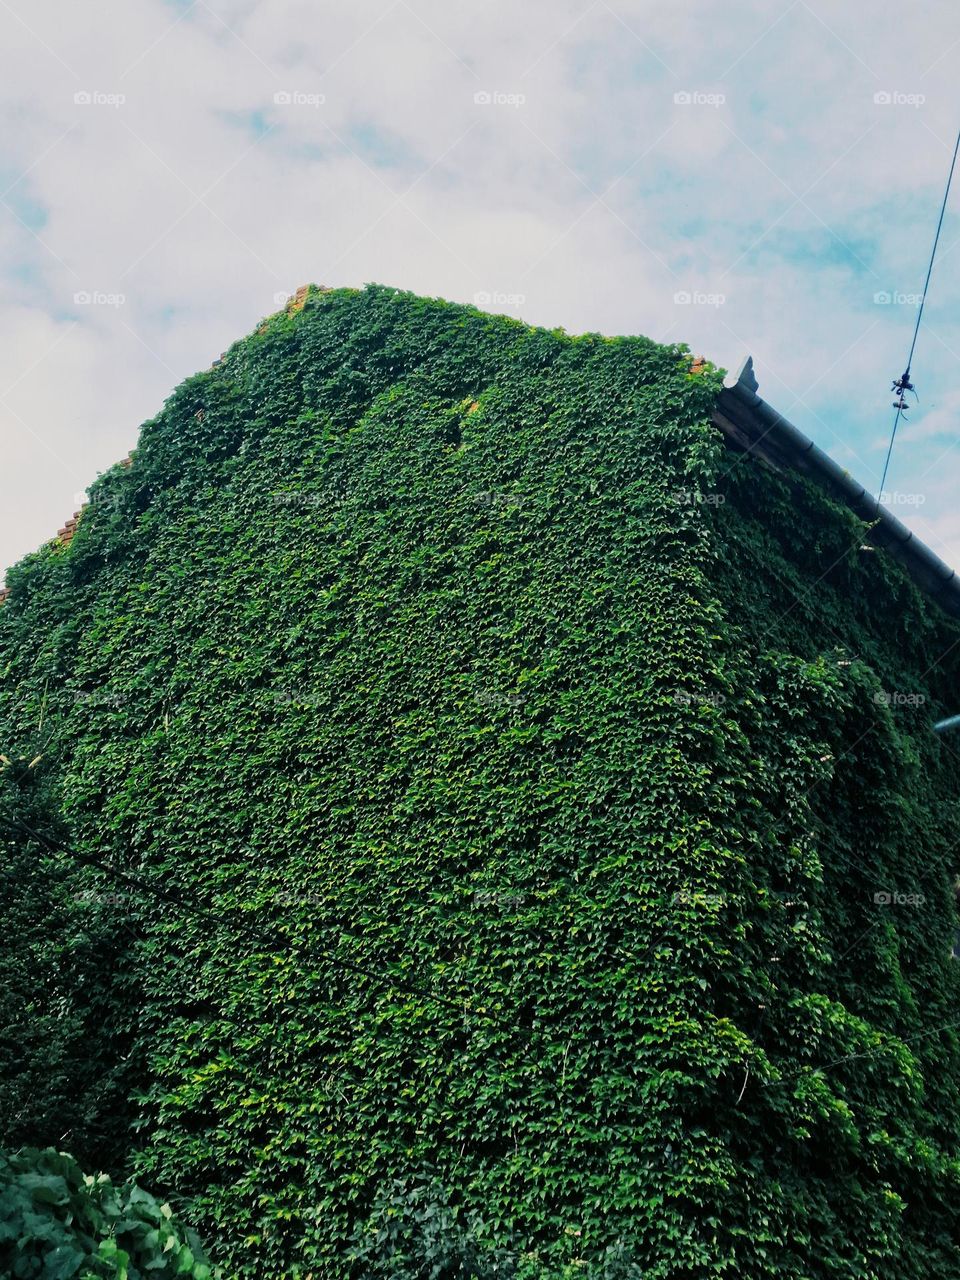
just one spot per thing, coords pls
(596, 199)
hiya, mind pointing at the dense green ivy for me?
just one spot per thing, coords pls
(66, 1068)
(463, 656)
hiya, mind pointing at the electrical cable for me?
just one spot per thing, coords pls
(903, 383)
(253, 934)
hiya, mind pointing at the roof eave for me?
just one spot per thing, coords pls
(752, 425)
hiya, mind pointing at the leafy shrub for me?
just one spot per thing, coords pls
(57, 1222)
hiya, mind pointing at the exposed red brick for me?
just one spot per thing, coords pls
(298, 301)
(65, 535)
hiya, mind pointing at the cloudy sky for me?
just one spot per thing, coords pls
(763, 177)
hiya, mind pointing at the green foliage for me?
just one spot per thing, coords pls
(57, 1223)
(65, 1066)
(415, 1232)
(412, 638)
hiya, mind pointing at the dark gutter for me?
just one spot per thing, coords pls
(753, 426)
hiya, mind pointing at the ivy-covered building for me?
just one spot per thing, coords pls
(513, 757)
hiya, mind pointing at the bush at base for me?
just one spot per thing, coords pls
(57, 1222)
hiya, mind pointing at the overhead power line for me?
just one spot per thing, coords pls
(389, 979)
(243, 927)
(903, 384)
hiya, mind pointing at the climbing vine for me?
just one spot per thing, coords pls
(461, 657)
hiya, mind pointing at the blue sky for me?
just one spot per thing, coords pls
(590, 165)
